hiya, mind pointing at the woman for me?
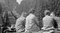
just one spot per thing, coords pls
(20, 22)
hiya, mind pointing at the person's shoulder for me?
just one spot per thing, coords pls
(57, 18)
(46, 16)
(49, 17)
(30, 15)
(19, 18)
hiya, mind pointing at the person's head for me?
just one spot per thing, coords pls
(52, 14)
(46, 12)
(24, 14)
(32, 11)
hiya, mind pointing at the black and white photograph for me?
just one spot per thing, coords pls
(29, 16)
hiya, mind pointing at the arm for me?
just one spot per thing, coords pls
(36, 21)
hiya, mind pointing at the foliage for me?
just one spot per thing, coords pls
(0, 8)
(53, 5)
(38, 5)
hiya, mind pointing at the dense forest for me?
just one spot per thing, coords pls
(38, 5)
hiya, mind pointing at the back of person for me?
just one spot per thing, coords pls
(19, 24)
(57, 20)
(47, 21)
(30, 23)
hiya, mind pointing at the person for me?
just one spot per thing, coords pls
(54, 22)
(20, 22)
(31, 22)
(57, 19)
(47, 21)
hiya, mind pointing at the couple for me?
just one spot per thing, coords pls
(50, 21)
(29, 21)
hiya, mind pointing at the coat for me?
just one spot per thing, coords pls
(31, 21)
(47, 22)
(57, 20)
(19, 24)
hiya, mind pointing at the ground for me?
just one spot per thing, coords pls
(38, 32)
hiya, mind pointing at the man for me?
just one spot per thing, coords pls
(47, 21)
(20, 23)
(31, 22)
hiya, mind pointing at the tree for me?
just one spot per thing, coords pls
(0, 8)
(53, 5)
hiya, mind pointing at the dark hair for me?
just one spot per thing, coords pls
(32, 11)
(48, 13)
